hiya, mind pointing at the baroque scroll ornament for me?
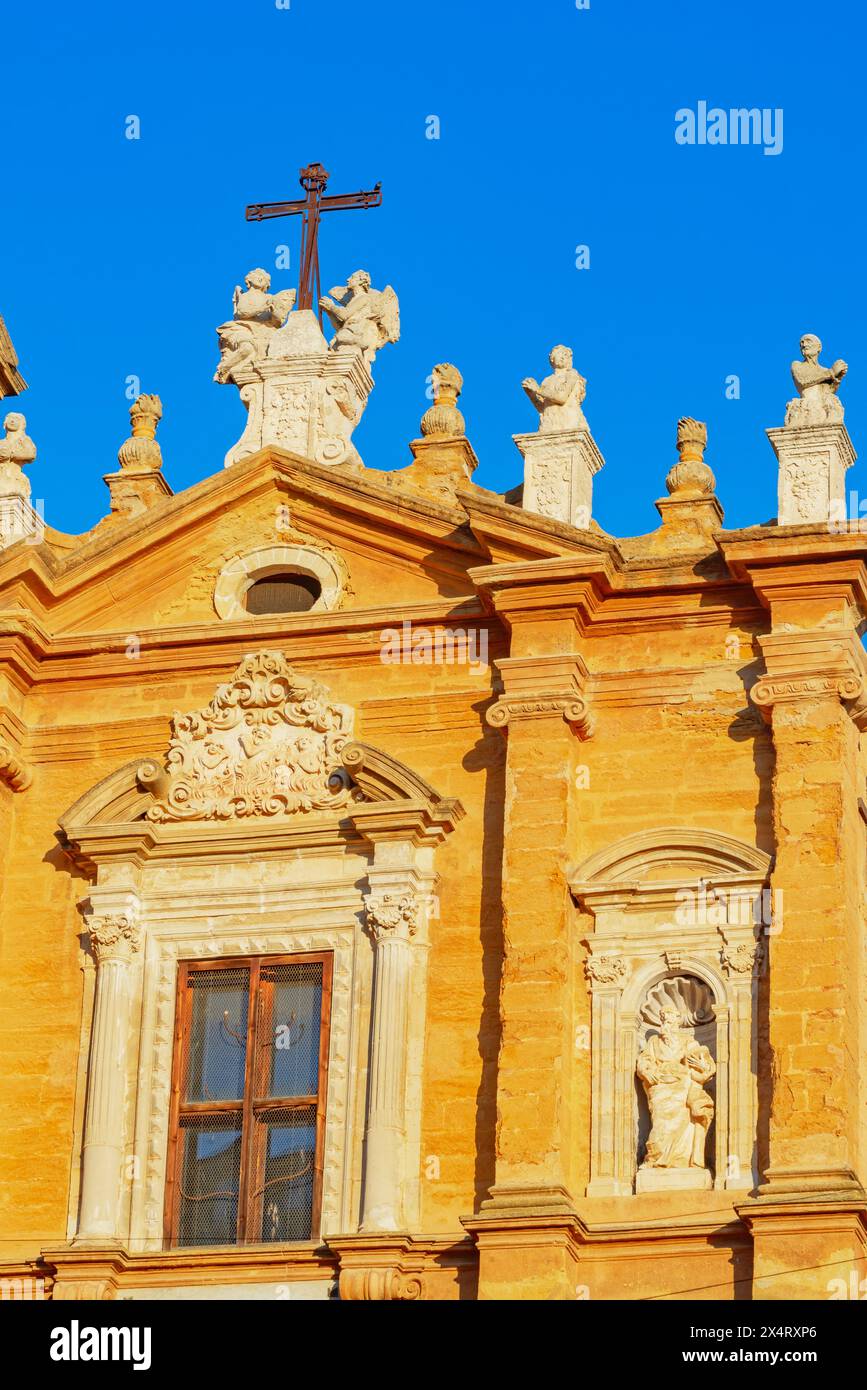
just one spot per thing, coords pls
(268, 744)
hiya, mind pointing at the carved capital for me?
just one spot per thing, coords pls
(606, 970)
(13, 770)
(742, 959)
(114, 938)
(538, 687)
(379, 1285)
(813, 666)
(392, 916)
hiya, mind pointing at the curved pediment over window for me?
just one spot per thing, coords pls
(670, 854)
(271, 759)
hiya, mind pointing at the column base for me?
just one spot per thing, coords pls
(808, 1247)
(528, 1239)
(384, 1268)
(832, 1184)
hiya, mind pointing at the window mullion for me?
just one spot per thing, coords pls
(246, 1109)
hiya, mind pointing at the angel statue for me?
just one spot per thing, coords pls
(364, 318)
(257, 315)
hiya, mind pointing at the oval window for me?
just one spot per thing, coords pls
(283, 593)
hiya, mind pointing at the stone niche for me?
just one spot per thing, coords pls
(680, 919)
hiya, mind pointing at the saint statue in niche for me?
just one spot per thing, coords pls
(673, 1068)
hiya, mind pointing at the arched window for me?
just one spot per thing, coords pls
(283, 593)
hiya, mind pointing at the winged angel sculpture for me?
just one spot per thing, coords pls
(257, 314)
(364, 318)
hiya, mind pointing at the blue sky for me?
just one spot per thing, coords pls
(557, 130)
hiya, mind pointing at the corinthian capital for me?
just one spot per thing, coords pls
(392, 916)
(114, 938)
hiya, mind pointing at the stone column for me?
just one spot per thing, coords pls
(808, 1223)
(607, 976)
(815, 947)
(525, 1229)
(115, 941)
(392, 920)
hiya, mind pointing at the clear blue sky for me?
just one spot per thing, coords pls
(557, 129)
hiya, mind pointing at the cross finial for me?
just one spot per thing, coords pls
(314, 180)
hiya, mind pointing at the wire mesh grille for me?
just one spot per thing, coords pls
(210, 1180)
(218, 1035)
(295, 1023)
(286, 1197)
(249, 1122)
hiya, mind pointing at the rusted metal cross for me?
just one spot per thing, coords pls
(314, 180)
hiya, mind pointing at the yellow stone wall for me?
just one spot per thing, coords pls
(675, 739)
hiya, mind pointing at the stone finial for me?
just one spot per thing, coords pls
(444, 420)
(691, 476)
(140, 482)
(816, 402)
(560, 396)
(141, 450)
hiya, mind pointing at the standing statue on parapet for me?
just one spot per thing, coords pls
(364, 318)
(257, 316)
(559, 397)
(816, 402)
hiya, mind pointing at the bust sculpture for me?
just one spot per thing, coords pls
(257, 314)
(17, 447)
(364, 318)
(673, 1068)
(559, 397)
(816, 402)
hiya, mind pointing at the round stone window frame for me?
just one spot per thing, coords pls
(242, 572)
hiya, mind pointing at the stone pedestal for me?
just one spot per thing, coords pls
(18, 519)
(558, 474)
(302, 396)
(672, 1179)
(135, 490)
(812, 479)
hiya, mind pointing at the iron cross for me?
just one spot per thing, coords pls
(314, 180)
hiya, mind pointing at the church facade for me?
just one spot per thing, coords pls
(415, 892)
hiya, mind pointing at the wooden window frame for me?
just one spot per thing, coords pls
(256, 1102)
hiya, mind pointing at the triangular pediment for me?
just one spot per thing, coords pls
(160, 568)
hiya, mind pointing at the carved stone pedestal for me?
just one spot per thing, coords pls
(559, 467)
(671, 1179)
(19, 521)
(812, 480)
(303, 397)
